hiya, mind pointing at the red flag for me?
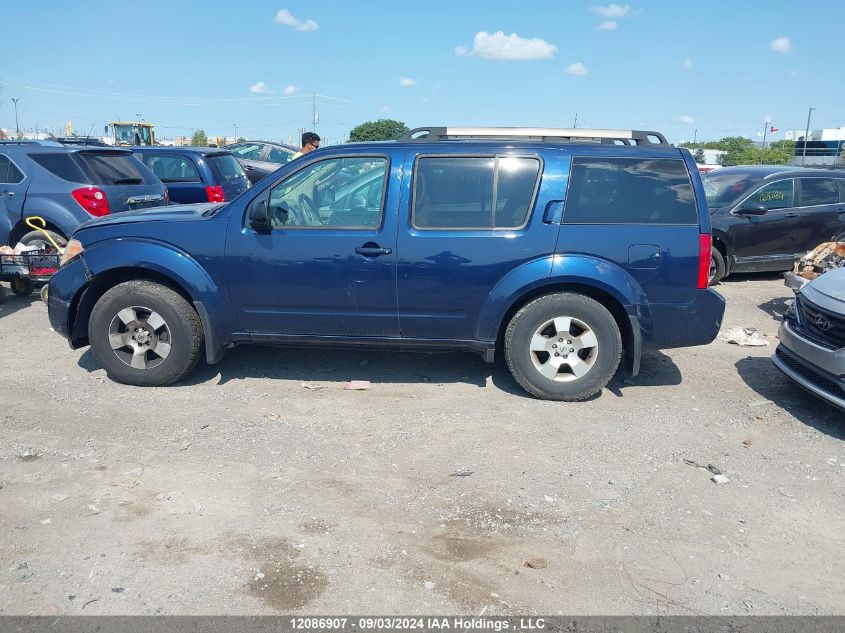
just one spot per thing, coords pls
(773, 130)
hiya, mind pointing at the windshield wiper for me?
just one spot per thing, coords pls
(127, 181)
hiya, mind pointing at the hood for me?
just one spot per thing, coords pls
(832, 284)
(173, 213)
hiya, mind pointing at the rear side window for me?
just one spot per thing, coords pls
(629, 191)
(475, 193)
(60, 165)
(113, 168)
(280, 156)
(9, 174)
(225, 167)
(816, 191)
(173, 168)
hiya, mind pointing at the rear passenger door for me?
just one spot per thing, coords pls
(13, 186)
(638, 213)
(473, 218)
(819, 199)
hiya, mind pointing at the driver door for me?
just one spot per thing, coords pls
(328, 266)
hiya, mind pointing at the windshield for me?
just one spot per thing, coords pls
(722, 189)
(132, 135)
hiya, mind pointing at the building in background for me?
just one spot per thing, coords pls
(824, 148)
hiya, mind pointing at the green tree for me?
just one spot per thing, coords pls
(779, 153)
(699, 156)
(199, 139)
(739, 151)
(381, 130)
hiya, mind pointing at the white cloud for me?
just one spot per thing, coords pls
(406, 82)
(501, 47)
(286, 18)
(576, 69)
(781, 45)
(687, 63)
(260, 88)
(290, 90)
(613, 10)
(686, 120)
(608, 25)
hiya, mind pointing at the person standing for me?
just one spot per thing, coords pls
(310, 142)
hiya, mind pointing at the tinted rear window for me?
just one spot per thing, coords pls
(816, 191)
(112, 168)
(60, 165)
(225, 167)
(171, 167)
(629, 191)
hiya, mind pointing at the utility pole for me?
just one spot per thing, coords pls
(575, 123)
(766, 126)
(314, 116)
(17, 127)
(235, 125)
(695, 136)
(806, 134)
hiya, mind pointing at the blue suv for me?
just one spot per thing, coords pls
(568, 249)
(68, 185)
(195, 174)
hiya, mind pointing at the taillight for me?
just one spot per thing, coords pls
(92, 199)
(215, 193)
(704, 245)
(166, 197)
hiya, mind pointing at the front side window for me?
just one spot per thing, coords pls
(345, 193)
(776, 195)
(629, 191)
(172, 168)
(9, 174)
(818, 191)
(247, 151)
(473, 192)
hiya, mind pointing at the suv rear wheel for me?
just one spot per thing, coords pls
(37, 238)
(563, 346)
(145, 334)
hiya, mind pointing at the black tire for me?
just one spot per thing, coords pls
(37, 237)
(602, 361)
(181, 324)
(717, 267)
(22, 286)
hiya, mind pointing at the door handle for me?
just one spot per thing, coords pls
(790, 214)
(372, 251)
(248, 168)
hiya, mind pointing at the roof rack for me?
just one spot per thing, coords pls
(606, 137)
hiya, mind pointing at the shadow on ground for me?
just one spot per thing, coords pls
(385, 367)
(763, 377)
(13, 303)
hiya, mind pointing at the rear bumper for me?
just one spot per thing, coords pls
(817, 369)
(668, 325)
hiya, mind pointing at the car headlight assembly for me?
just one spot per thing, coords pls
(72, 251)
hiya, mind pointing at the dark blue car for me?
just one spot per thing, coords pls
(195, 174)
(67, 185)
(569, 249)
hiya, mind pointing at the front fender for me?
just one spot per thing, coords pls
(173, 263)
(553, 270)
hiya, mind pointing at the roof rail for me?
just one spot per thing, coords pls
(607, 137)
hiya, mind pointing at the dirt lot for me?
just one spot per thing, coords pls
(243, 491)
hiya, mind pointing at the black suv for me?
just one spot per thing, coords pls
(765, 217)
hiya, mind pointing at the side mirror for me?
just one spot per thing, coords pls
(752, 209)
(259, 219)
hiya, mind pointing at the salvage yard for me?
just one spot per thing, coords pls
(260, 485)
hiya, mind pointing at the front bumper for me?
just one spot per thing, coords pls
(817, 369)
(64, 286)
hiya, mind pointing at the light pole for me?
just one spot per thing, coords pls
(806, 134)
(140, 118)
(17, 127)
(235, 125)
(695, 136)
(766, 126)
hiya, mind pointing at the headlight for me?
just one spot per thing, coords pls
(72, 251)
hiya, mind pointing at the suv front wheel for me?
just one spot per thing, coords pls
(145, 334)
(563, 346)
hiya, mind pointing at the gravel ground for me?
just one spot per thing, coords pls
(243, 491)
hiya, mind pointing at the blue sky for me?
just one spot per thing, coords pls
(674, 66)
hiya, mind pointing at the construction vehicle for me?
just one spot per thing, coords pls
(130, 133)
